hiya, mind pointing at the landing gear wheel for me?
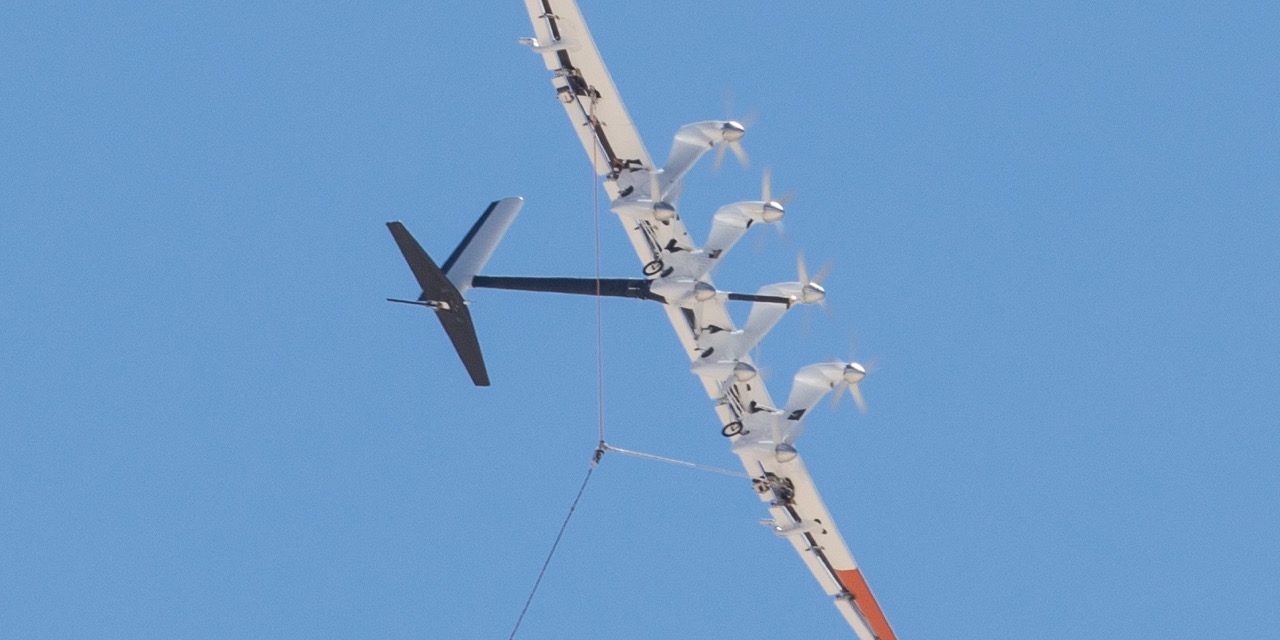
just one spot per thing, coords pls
(732, 429)
(653, 268)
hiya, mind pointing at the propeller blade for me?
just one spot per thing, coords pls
(655, 191)
(741, 153)
(822, 273)
(781, 228)
(801, 269)
(746, 120)
(719, 157)
(766, 192)
(858, 399)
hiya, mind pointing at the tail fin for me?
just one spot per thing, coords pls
(476, 248)
(441, 294)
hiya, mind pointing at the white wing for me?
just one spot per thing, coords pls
(595, 109)
(800, 516)
(585, 88)
(600, 119)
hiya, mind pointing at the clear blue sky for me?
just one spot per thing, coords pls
(1055, 227)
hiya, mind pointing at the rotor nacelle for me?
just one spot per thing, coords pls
(725, 369)
(811, 293)
(743, 372)
(810, 385)
(732, 131)
(772, 211)
(683, 292)
(741, 215)
(784, 453)
(654, 207)
(702, 292)
(697, 138)
(659, 211)
(663, 211)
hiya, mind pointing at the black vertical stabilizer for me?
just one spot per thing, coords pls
(443, 296)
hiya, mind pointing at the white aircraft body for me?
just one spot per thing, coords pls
(677, 274)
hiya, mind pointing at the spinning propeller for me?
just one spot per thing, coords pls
(811, 290)
(731, 137)
(853, 375)
(773, 210)
(731, 133)
(662, 210)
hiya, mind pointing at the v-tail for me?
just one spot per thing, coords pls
(443, 287)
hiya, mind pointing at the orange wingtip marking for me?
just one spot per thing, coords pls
(866, 603)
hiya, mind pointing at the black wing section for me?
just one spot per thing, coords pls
(439, 293)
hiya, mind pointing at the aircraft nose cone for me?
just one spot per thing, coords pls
(773, 211)
(663, 211)
(733, 131)
(813, 293)
(703, 292)
(785, 453)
